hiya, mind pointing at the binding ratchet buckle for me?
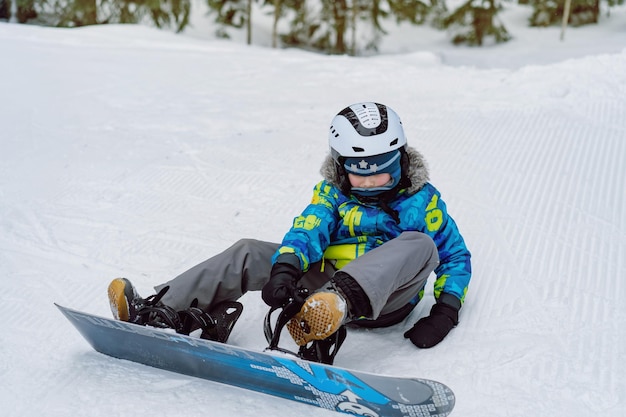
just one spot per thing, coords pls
(322, 351)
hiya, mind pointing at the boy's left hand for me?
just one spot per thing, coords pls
(431, 330)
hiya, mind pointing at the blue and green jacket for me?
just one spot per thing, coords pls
(338, 228)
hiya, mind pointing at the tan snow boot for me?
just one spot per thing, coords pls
(322, 314)
(121, 295)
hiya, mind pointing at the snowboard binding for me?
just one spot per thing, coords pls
(322, 351)
(127, 305)
(215, 325)
(152, 312)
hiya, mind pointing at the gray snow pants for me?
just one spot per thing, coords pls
(391, 275)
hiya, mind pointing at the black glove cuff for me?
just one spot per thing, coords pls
(288, 260)
(278, 269)
(449, 299)
(445, 310)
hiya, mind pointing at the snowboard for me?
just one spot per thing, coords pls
(273, 373)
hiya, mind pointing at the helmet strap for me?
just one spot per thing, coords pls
(342, 176)
(405, 181)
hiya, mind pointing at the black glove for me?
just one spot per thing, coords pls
(282, 284)
(430, 330)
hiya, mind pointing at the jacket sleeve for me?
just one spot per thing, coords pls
(310, 233)
(454, 270)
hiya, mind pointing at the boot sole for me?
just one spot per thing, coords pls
(118, 299)
(322, 314)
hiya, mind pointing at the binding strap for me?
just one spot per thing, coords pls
(215, 325)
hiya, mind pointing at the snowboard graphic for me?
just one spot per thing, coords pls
(287, 377)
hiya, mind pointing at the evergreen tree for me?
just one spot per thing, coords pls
(413, 11)
(474, 21)
(237, 14)
(5, 9)
(332, 26)
(368, 17)
(25, 10)
(582, 12)
(229, 12)
(73, 13)
(308, 25)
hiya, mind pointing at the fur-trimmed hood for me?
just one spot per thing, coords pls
(418, 170)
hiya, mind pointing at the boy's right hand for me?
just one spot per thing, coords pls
(281, 286)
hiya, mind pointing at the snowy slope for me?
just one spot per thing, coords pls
(135, 152)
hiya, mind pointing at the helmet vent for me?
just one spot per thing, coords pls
(334, 132)
(367, 119)
(393, 142)
(357, 149)
(368, 115)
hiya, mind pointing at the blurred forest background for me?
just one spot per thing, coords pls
(332, 27)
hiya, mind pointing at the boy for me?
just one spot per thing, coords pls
(363, 248)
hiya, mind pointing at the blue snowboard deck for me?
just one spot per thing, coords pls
(320, 385)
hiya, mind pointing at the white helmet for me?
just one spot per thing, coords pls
(367, 139)
(365, 129)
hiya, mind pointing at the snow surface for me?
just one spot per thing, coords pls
(128, 151)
